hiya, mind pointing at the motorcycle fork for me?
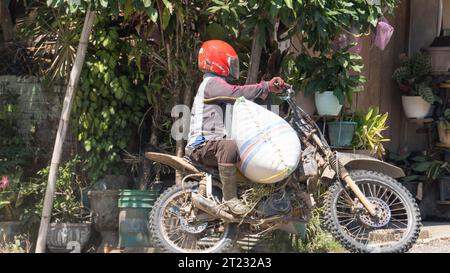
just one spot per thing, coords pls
(362, 198)
(344, 175)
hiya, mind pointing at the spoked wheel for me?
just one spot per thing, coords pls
(394, 229)
(176, 226)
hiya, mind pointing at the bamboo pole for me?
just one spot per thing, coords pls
(62, 129)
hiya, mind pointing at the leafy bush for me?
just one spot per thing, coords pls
(332, 72)
(67, 206)
(21, 244)
(109, 105)
(368, 131)
(14, 152)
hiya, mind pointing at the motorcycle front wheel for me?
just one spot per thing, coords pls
(394, 230)
(174, 228)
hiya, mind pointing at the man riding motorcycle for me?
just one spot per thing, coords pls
(208, 142)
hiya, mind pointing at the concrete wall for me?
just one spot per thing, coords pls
(38, 114)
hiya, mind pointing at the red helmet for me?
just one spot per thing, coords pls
(218, 57)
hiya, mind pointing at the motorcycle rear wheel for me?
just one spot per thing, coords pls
(171, 232)
(394, 231)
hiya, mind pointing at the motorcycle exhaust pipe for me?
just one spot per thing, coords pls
(212, 208)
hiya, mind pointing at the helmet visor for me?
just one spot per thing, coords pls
(234, 67)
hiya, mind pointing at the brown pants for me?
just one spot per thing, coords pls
(214, 152)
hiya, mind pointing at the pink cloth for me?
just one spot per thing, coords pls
(383, 34)
(4, 183)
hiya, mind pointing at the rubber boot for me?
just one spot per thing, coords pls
(227, 173)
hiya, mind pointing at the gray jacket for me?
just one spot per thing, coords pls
(208, 110)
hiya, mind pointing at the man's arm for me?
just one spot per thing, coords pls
(218, 90)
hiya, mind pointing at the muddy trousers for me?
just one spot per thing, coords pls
(224, 155)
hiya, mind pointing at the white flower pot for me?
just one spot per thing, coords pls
(444, 133)
(440, 58)
(415, 107)
(327, 104)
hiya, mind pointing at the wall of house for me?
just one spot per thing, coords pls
(380, 90)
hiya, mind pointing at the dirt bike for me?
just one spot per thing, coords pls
(364, 207)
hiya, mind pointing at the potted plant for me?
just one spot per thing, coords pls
(10, 208)
(332, 79)
(70, 226)
(444, 127)
(414, 80)
(341, 132)
(368, 133)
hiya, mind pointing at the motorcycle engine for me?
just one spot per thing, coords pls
(276, 204)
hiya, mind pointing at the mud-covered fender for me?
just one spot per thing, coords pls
(364, 162)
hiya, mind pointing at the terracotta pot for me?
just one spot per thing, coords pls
(415, 107)
(68, 237)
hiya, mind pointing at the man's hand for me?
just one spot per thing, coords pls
(276, 85)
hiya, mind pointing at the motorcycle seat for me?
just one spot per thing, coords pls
(213, 171)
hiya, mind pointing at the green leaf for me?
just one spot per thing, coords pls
(87, 145)
(165, 19)
(147, 3)
(104, 3)
(153, 14)
(289, 3)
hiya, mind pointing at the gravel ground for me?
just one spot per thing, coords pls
(441, 245)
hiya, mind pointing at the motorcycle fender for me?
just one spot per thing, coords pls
(364, 162)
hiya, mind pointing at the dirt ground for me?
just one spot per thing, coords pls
(441, 245)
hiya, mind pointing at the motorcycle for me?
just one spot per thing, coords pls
(364, 207)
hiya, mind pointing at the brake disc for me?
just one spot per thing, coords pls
(192, 228)
(383, 214)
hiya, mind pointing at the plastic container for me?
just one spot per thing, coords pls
(327, 103)
(341, 133)
(135, 207)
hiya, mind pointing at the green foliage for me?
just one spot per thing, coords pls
(320, 20)
(431, 166)
(317, 239)
(21, 244)
(414, 78)
(109, 105)
(444, 120)
(10, 198)
(55, 36)
(67, 206)
(332, 72)
(421, 167)
(368, 132)
(14, 152)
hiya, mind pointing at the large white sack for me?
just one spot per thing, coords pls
(268, 146)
